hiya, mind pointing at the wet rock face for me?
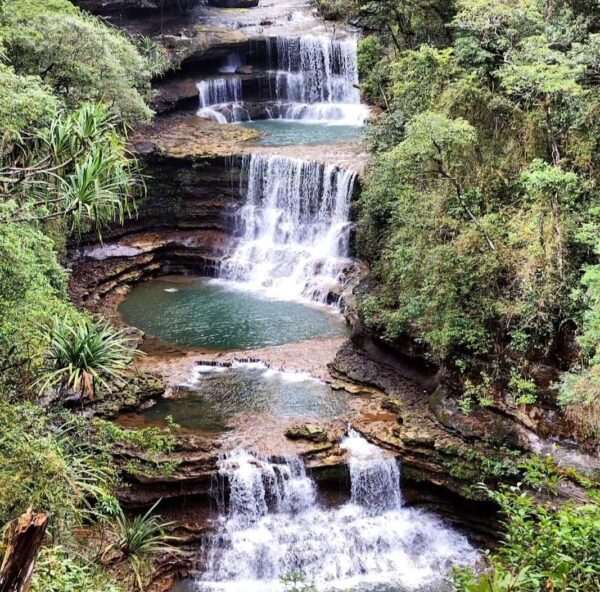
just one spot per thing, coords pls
(183, 225)
(234, 3)
(480, 423)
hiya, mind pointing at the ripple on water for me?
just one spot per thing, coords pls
(216, 395)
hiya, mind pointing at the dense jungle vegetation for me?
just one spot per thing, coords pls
(480, 220)
(481, 215)
(71, 89)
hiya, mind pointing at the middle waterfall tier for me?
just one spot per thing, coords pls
(310, 79)
(221, 100)
(293, 229)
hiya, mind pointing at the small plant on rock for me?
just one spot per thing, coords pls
(83, 354)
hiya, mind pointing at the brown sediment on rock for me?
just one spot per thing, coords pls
(311, 356)
(187, 136)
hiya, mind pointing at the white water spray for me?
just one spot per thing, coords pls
(275, 526)
(293, 228)
(317, 79)
(221, 100)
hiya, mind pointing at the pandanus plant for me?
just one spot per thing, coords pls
(82, 172)
(82, 355)
(137, 539)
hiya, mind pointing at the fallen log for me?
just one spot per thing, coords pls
(24, 539)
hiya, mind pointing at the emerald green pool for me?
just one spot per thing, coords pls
(199, 313)
(281, 132)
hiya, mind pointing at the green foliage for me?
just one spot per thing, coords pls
(541, 474)
(82, 355)
(295, 582)
(32, 292)
(56, 570)
(154, 442)
(77, 55)
(406, 23)
(136, 540)
(27, 104)
(479, 216)
(544, 549)
(50, 467)
(86, 175)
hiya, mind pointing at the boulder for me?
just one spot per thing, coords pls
(306, 431)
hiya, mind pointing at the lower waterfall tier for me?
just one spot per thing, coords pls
(275, 526)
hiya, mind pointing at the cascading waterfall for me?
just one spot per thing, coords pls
(221, 100)
(276, 526)
(317, 79)
(293, 228)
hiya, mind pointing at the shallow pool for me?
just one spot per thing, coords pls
(287, 132)
(216, 395)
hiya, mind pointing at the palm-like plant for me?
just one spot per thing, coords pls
(81, 171)
(138, 539)
(82, 354)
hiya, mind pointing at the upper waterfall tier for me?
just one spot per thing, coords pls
(293, 228)
(275, 526)
(314, 79)
(319, 77)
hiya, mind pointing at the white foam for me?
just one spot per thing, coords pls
(274, 526)
(294, 229)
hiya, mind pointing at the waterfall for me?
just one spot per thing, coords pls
(293, 228)
(318, 79)
(221, 100)
(276, 526)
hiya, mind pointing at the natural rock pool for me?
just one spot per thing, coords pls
(281, 132)
(217, 394)
(196, 312)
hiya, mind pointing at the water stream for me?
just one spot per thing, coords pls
(215, 396)
(293, 229)
(275, 525)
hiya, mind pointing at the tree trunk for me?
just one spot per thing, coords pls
(24, 539)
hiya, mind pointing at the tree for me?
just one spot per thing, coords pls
(78, 56)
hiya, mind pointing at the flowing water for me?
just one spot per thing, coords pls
(275, 525)
(215, 395)
(315, 80)
(221, 100)
(293, 229)
(198, 313)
